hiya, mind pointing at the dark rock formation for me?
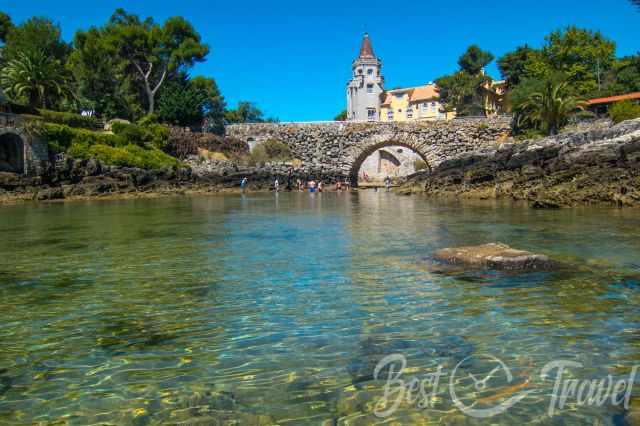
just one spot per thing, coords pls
(600, 166)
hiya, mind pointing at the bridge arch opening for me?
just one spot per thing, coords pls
(391, 158)
(11, 153)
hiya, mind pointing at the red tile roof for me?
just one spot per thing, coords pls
(610, 99)
(366, 51)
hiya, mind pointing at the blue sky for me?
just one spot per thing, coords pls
(293, 58)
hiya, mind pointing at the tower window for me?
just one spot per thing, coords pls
(369, 88)
(371, 114)
(370, 71)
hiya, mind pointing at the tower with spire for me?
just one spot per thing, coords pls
(366, 86)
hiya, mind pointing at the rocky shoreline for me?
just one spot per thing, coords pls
(600, 166)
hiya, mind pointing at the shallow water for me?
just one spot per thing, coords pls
(272, 309)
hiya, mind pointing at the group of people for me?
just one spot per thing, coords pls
(312, 185)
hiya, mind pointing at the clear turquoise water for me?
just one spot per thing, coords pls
(275, 310)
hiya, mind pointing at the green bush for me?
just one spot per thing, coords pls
(124, 156)
(150, 134)
(276, 150)
(60, 137)
(270, 150)
(69, 119)
(112, 149)
(624, 110)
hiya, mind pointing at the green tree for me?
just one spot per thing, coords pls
(102, 82)
(181, 103)
(35, 34)
(474, 60)
(214, 105)
(582, 55)
(462, 92)
(36, 79)
(342, 116)
(153, 52)
(246, 112)
(512, 65)
(624, 76)
(550, 109)
(5, 26)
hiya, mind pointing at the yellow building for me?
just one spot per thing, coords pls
(495, 99)
(412, 104)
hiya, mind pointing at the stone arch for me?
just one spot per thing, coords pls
(12, 148)
(370, 149)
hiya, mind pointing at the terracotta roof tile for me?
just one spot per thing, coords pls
(425, 93)
(610, 99)
(366, 51)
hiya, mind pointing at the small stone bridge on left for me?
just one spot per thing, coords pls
(21, 150)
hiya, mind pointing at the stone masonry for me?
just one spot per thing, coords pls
(35, 153)
(339, 148)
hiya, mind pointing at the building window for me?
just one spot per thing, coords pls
(369, 88)
(425, 107)
(371, 114)
(359, 70)
(410, 113)
(390, 115)
(433, 107)
(399, 110)
(370, 71)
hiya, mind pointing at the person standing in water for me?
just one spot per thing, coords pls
(276, 185)
(320, 186)
(243, 184)
(387, 183)
(312, 185)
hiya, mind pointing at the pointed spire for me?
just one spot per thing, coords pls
(366, 51)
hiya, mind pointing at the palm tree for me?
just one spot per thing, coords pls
(550, 109)
(35, 79)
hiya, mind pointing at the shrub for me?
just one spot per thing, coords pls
(234, 146)
(183, 143)
(124, 156)
(624, 110)
(276, 150)
(60, 137)
(150, 134)
(69, 119)
(112, 149)
(270, 150)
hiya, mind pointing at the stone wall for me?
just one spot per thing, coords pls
(596, 166)
(35, 150)
(339, 148)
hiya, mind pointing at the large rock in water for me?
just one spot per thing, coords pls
(494, 256)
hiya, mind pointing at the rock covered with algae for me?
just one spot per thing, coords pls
(494, 256)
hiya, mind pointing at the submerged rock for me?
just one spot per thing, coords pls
(494, 256)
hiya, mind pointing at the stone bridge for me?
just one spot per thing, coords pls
(339, 148)
(21, 151)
